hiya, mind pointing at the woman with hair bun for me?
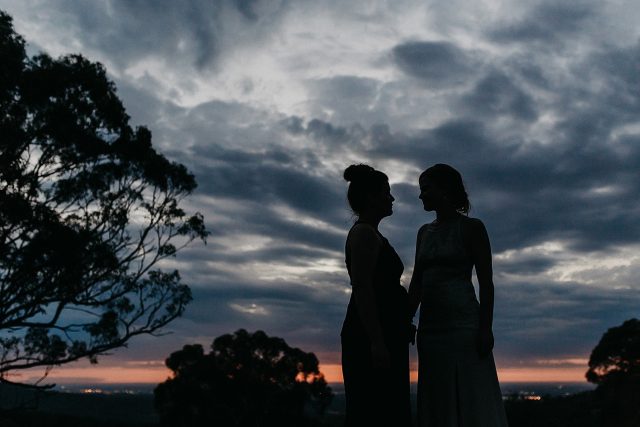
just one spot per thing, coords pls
(375, 356)
(457, 381)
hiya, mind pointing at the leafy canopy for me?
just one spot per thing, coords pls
(617, 355)
(246, 380)
(87, 210)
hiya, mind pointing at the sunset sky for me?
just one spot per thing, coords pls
(537, 104)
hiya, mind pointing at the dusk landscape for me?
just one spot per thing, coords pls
(252, 109)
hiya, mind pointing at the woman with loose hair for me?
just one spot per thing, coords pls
(457, 381)
(375, 355)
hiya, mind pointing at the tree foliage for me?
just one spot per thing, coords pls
(87, 210)
(617, 355)
(615, 366)
(246, 380)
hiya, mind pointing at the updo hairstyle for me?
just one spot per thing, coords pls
(364, 181)
(450, 182)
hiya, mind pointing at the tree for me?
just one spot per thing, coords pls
(615, 366)
(87, 210)
(246, 380)
(617, 355)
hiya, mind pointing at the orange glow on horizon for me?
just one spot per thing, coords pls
(333, 374)
(101, 375)
(546, 375)
(156, 373)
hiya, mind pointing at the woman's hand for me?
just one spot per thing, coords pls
(380, 356)
(484, 342)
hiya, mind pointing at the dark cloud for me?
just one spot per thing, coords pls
(190, 30)
(547, 319)
(348, 99)
(496, 95)
(549, 23)
(247, 8)
(349, 88)
(529, 71)
(326, 132)
(514, 184)
(287, 254)
(293, 125)
(578, 171)
(436, 63)
(263, 178)
(617, 69)
(272, 224)
(193, 34)
(526, 265)
(310, 316)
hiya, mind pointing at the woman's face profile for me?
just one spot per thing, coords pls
(430, 194)
(383, 201)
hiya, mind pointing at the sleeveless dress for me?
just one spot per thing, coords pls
(378, 397)
(456, 388)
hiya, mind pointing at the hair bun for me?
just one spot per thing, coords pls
(357, 172)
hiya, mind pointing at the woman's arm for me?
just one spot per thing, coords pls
(416, 280)
(364, 248)
(481, 256)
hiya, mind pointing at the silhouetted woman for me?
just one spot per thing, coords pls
(457, 381)
(375, 357)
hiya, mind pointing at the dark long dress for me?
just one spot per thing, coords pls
(378, 397)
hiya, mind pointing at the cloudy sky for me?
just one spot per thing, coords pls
(536, 103)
